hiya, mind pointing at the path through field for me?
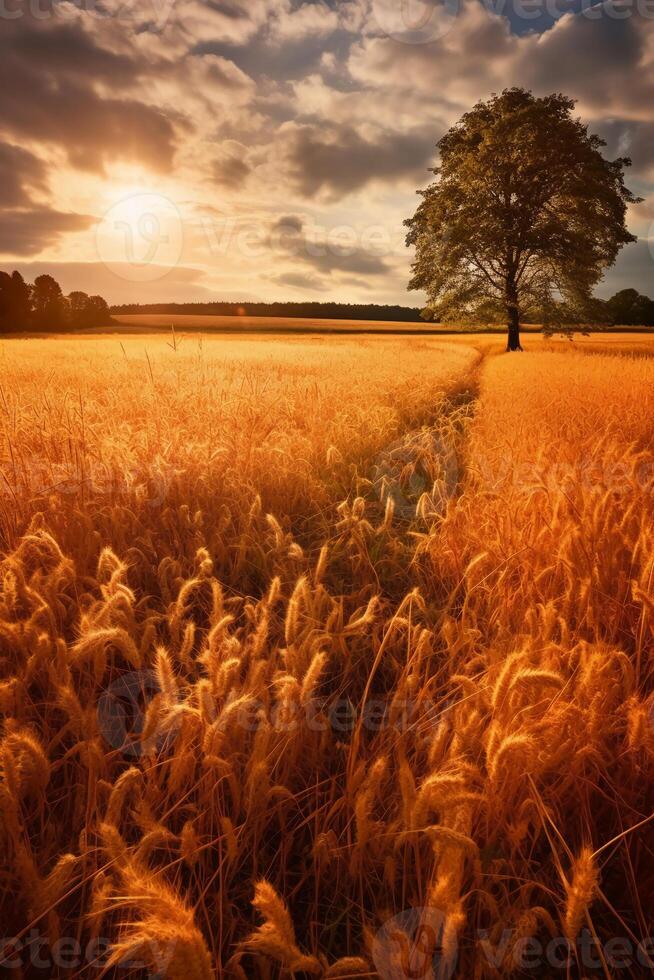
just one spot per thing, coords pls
(325, 657)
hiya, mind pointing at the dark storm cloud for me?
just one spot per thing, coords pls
(29, 232)
(338, 160)
(20, 172)
(49, 74)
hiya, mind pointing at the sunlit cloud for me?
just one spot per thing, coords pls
(232, 115)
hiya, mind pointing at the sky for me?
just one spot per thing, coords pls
(192, 150)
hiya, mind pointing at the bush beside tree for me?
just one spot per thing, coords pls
(629, 308)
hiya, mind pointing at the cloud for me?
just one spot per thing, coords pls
(302, 281)
(51, 81)
(599, 59)
(288, 223)
(215, 73)
(319, 18)
(28, 232)
(300, 106)
(66, 50)
(625, 137)
(177, 285)
(591, 59)
(291, 39)
(230, 11)
(633, 269)
(233, 22)
(307, 20)
(646, 211)
(472, 60)
(332, 259)
(20, 172)
(326, 251)
(337, 160)
(231, 169)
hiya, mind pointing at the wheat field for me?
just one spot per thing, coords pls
(325, 658)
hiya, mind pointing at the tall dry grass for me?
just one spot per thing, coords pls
(298, 638)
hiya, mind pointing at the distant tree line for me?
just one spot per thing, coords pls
(311, 311)
(42, 306)
(627, 308)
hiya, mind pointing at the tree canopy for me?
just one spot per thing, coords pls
(43, 306)
(523, 217)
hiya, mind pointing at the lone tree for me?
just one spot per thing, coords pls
(523, 217)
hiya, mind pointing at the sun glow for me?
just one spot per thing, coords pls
(141, 235)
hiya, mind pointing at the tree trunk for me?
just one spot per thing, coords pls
(513, 318)
(513, 342)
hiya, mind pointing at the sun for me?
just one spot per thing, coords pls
(141, 235)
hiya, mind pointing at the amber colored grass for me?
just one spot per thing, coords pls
(212, 522)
